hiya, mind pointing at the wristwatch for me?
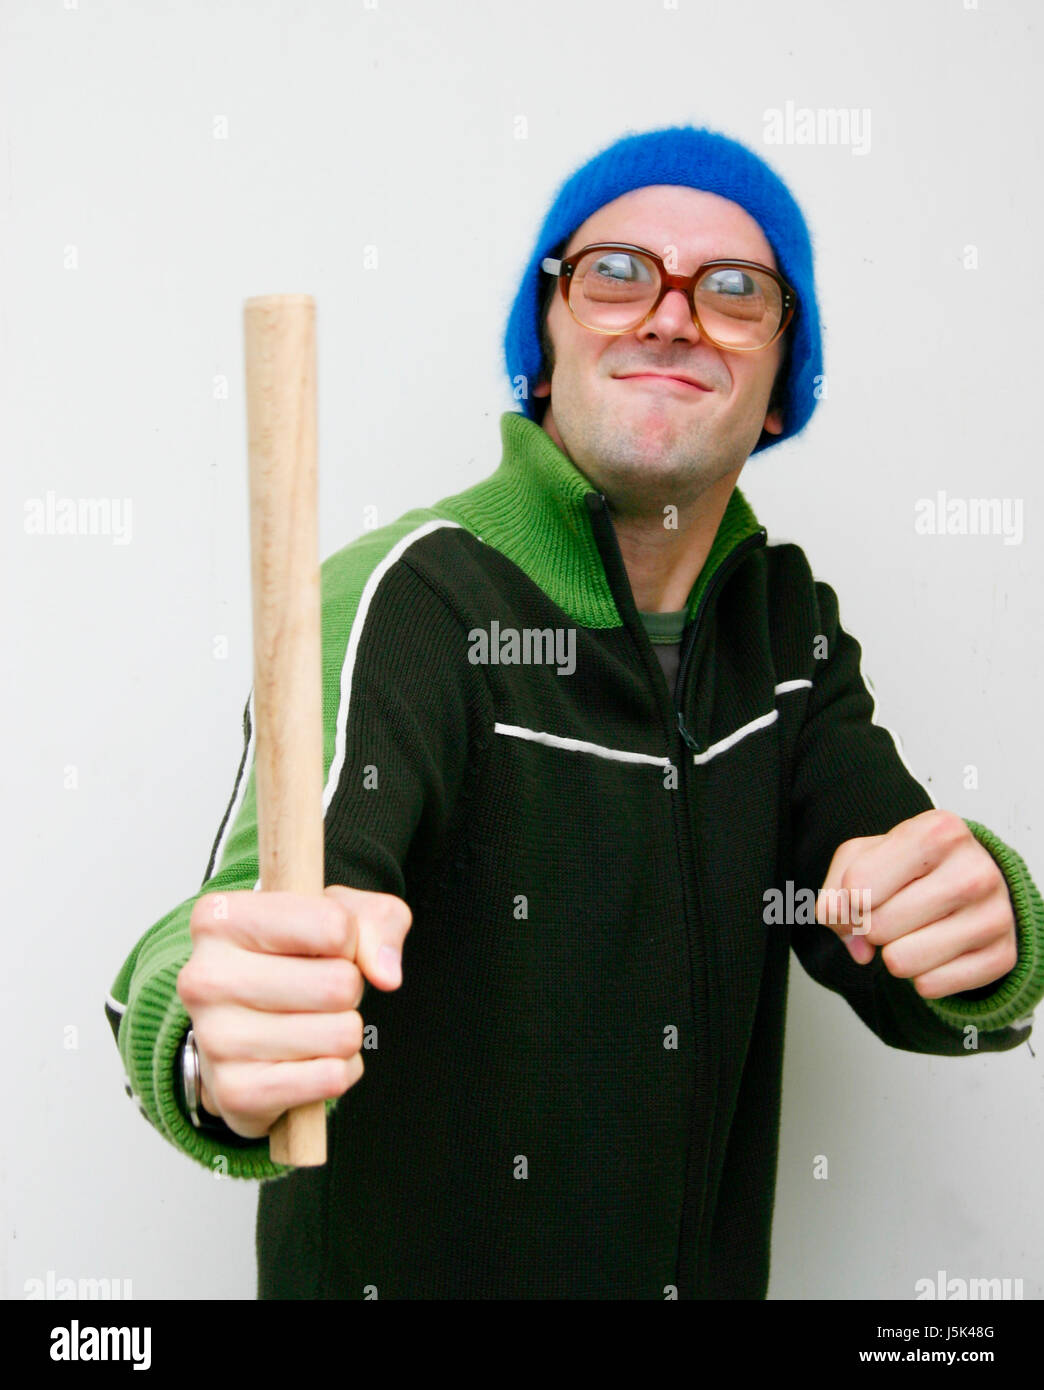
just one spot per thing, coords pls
(191, 1084)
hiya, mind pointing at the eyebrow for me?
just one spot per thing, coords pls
(769, 261)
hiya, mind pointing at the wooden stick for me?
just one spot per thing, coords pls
(279, 334)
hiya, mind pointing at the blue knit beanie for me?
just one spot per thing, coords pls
(696, 158)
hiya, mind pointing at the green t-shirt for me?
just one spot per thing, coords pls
(665, 633)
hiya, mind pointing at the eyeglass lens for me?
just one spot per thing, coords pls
(614, 290)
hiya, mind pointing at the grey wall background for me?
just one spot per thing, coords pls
(162, 161)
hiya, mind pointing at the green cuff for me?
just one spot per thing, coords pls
(153, 1023)
(1019, 992)
(151, 1032)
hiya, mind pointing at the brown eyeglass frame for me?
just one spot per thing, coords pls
(686, 283)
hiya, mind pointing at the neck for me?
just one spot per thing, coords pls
(663, 562)
(663, 551)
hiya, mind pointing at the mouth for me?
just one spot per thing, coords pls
(662, 380)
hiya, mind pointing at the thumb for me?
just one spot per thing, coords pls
(841, 911)
(382, 921)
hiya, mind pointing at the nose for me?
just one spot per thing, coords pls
(672, 320)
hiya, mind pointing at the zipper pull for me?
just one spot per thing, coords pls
(690, 742)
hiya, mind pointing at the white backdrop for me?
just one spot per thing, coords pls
(163, 161)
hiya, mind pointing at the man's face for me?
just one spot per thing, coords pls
(641, 440)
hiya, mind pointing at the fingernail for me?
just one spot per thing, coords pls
(389, 962)
(861, 951)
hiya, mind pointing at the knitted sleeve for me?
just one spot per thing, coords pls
(400, 711)
(849, 780)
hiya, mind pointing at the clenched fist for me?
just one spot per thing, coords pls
(273, 987)
(931, 897)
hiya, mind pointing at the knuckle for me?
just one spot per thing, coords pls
(986, 933)
(357, 986)
(334, 925)
(344, 1073)
(340, 985)
(1007, 956)
(197, 983)
(946, 828)
(210, 1038)
(848, 876)
(350, 1034)
(392, 912)
(204, 917)
(893, 960)
(227, 1094)
(204, 1030)
(244, 1091)
(978, 879)
(183, 984)
(188, 984)
(853, 886)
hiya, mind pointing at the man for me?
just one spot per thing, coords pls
(596, 745)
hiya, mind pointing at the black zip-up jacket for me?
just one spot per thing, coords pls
(575, 1093)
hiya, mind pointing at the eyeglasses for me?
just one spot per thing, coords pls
(611, 287)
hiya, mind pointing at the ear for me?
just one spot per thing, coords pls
(773, 421)
(542, 388)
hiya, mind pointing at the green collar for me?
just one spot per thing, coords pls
(532, 509)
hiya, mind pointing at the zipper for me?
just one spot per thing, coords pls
(691, 1224)
(690, 782)
(691, 743)
(719, 576)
